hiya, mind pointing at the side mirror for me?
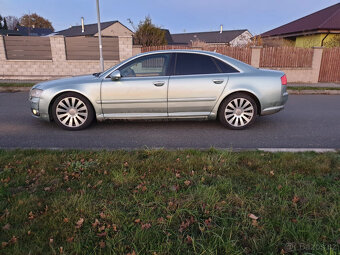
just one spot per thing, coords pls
(115, 76)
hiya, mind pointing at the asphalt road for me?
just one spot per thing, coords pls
(308, 121)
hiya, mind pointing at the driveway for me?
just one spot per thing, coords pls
(308, 121)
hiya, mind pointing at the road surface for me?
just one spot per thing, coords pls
(308, 121)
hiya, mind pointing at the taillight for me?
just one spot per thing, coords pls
(284, 80)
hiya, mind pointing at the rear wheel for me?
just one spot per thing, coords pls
(238, 111)
(72, 111)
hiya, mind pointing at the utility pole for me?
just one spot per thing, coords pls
(100, 40)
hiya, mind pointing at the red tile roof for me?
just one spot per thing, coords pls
(325, 19)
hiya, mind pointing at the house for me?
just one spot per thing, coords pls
(26, 31)
(225, 37)
(321, 28)
(110, 28)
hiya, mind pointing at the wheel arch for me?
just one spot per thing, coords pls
(257, 101)
(64, 92)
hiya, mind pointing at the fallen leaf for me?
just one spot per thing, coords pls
(102, 244)
(188, 240)
(254, 223)
(178, 175)
(79, 223)
(61, 250)
(30, 215)
(137, 220)
(6, 227)
(146, 226)
(28, 232)
(252, 216)
(102, 228)
(279, 187)
(102, 215)
(114, 227)
(126, 164)
(66, 220)
(295, 199)
(51, 240)
(13, 239)
(47, 188)
(4, 244)
(271, 173)
(187, 182)
(101, 234)
(70, 239)
(96, 223)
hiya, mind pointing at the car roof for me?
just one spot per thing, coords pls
(234, 62)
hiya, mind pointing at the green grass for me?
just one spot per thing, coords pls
(169, 202)
(299, 88)
(16, 84)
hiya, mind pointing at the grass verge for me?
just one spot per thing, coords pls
(169, 202)
(312, 88)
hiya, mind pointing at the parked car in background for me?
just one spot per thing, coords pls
(164, 84)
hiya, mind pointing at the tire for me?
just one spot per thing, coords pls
(238, 111)
(72, 111)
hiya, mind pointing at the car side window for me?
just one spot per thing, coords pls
(147, 66)
(224, 67)
(188, 63)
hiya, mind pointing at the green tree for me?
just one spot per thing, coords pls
(5, 24)
(147, 34)
(35, 21)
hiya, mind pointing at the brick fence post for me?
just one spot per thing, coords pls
(2, 49)
(255, 56)
(125, 47)
(316, 63)
(58, 48)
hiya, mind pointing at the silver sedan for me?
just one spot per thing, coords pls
(164, 84)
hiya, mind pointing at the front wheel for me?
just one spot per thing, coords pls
(238, 111)
(72, 111)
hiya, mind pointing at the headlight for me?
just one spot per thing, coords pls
(36, 92)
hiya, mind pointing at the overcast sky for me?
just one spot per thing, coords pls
(176, 15)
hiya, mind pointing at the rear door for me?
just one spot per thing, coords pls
(195, 86)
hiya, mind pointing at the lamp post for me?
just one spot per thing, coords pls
(100, 40)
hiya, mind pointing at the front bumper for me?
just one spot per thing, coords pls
(34, 104)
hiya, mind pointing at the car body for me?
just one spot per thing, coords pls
(163, 84)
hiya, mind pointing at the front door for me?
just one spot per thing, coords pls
(141, 91)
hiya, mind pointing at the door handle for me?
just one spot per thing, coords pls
(159, 83)
(218, 81)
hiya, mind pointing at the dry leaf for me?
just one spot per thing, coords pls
(271, 173)
(102, 244)
(6, 227)
(96, 223)
(114, 227)
(137, 220)
(66, 220)
(70, 239)
(102, 228)
(295, 199)
(47, 188)
(4, 244)
(252, 216)
(30, 215)
(188, 240)
(51, 240)
(254, 223)
(80, 223)
(187, 182)
(146, 226)
(102, 215)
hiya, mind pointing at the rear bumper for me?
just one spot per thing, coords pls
(275, 109)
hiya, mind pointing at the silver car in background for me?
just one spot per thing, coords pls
(164, 84)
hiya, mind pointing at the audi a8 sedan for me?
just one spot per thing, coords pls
(171, 84)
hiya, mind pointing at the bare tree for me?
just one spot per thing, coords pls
(12, 22)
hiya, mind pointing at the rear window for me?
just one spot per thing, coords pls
(188, 63)
(224, 67)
